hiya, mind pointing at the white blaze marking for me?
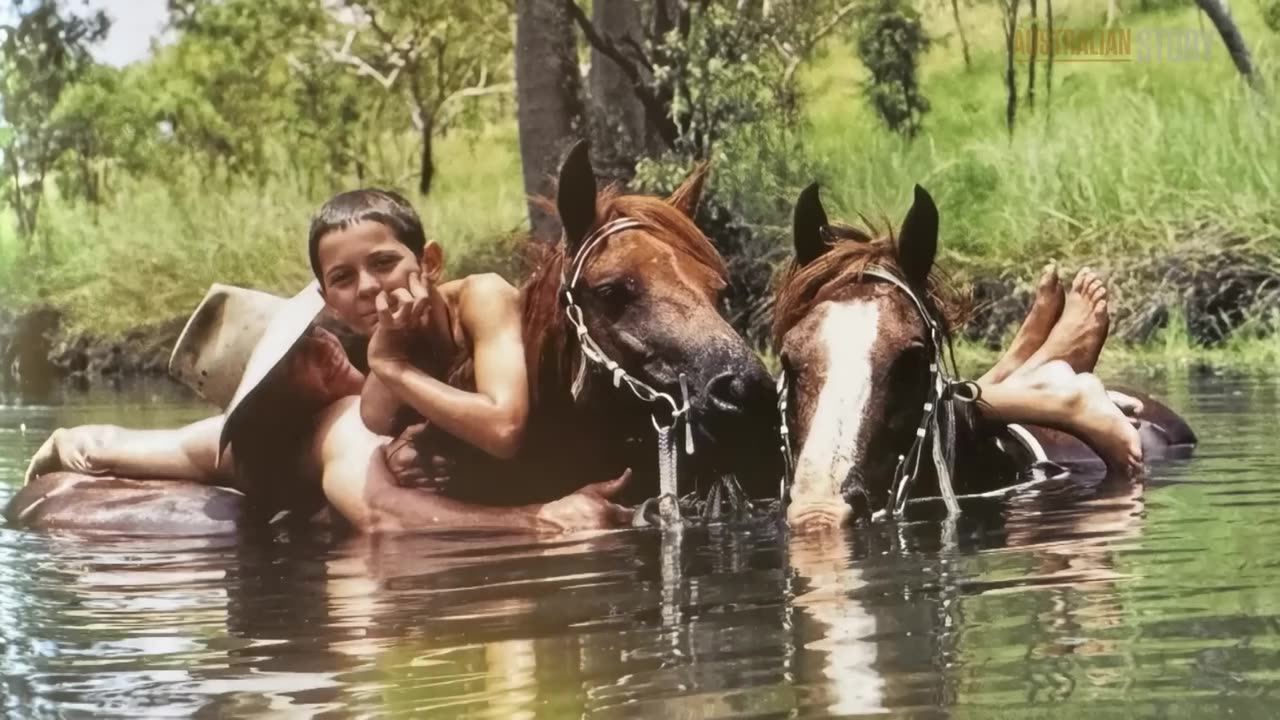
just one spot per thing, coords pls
(848, 334)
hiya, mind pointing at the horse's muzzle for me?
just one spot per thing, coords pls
(737, 426)
(818, 515)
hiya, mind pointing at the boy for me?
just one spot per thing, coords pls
(382, 278)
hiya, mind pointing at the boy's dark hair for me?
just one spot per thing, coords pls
(381, 206)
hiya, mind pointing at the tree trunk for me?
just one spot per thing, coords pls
(1048, 70)
(1232, 38)
(964, 42)
(617, 116)
(664, 17)
(1011, 79)
(548, 99)
(427, 163)
(1031, 66)
(1113, 10)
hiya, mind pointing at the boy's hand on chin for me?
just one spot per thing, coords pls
(402, 313)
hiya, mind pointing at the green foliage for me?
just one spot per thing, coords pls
(890, 46)
(41, 56)
(1271, 14)
(1143, 164)
(721, 75)
(431, 56)
(204, 162)
(731, 78)
(148, 252)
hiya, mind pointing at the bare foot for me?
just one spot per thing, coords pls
(1045, 310)
(1080, 333)
(1128, 404)
(1098, 420)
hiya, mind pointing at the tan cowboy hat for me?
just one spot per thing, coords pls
(234, 339)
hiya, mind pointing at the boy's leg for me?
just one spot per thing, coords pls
(1078, 404)
(1046, 308)
(1080, 333)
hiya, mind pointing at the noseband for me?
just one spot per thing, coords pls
(936, 432)
(592, 354)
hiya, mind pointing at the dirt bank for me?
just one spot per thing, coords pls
(35, 347)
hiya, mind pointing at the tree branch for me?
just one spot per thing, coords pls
(655, 110)
(833, 23)
(795, 58)
(344, 56)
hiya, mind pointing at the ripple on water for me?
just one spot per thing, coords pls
(1111, 600)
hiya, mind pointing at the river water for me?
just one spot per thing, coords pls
(1119, 601)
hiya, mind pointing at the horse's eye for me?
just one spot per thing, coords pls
(614, 293)
(912, 359)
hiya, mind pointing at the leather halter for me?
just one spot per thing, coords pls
(593, 354)
(937, 424)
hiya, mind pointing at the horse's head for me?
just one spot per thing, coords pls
(648, 284)
(856, 352)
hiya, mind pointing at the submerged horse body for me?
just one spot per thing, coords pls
(863, 328)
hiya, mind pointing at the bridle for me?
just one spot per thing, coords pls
(592, 354)
(936, 433)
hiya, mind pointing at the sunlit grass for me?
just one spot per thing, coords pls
(152, 251)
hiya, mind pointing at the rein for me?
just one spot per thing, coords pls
(677, 413)
(936, 433)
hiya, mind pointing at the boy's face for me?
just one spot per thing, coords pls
(318, 370)
(359, 262)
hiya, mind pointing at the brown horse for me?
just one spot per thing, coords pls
(863, 328)
(647, 284)
(647, 291)
(84, 503)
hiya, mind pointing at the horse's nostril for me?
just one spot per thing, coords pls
(723, 390)
(734, 393)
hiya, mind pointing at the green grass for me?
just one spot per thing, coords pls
(1133, 152)
(1133, 164)
(151, 253)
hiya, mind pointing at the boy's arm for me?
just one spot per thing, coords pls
(186, 453)
(492, 418)
(378, 405)
(359, 485)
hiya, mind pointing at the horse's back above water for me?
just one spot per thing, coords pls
(1164, 433)
(85, 503)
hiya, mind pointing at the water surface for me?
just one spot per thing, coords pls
(1115, 601)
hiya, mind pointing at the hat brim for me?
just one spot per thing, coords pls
(288, 325)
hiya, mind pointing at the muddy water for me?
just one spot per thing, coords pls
(1089, 601)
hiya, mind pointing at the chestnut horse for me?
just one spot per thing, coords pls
(619, 315)
(644, 284)
(863, 328)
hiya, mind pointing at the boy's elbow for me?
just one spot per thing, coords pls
(376, 422)
(508, 439)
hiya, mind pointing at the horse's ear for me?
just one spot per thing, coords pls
(576, 196)
(918, 239)
(689, 194)
(808, 222)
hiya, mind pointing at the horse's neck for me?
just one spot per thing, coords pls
(980, 463)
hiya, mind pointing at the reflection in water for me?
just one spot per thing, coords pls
(844, 629)
(1116, 599)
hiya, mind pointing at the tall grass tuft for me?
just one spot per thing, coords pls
(151, 252)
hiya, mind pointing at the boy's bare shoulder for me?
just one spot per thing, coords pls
(486, 288)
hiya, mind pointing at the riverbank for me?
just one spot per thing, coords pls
(1155, 174)
(1197, 319)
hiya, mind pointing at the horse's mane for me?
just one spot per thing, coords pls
(801, 288)
(544, 333)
